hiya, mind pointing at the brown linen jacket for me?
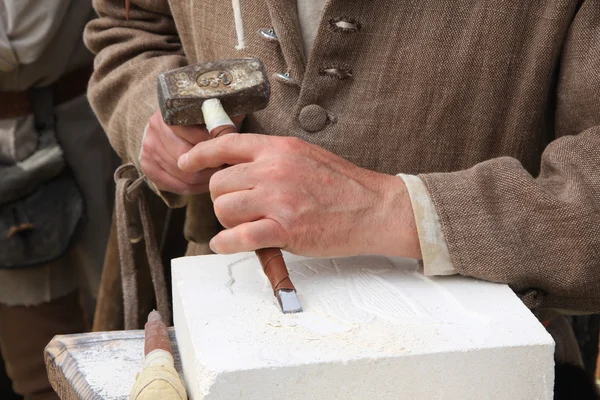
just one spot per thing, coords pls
(496, 104)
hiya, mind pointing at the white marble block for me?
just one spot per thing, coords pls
(372, 328)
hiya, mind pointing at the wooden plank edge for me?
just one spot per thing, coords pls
(63, 373)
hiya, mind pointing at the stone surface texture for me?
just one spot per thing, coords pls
(372, 328)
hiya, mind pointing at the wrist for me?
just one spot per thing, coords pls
(394, 226)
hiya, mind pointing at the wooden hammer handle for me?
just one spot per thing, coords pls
(271, 258)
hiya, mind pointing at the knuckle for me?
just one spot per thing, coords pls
(228, 140)
(219, 207)
(291, 143)
(275, 170)
(248, 237)
(215, 181)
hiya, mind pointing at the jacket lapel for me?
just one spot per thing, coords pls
(284, 17)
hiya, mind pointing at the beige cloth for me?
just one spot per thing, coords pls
(39, 42)
(309, 20)
(159, 379)
(495, 108)
(434, 249)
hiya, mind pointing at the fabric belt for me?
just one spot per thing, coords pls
(67, 87)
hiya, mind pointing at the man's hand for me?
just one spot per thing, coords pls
(161, 148)
(283, 192)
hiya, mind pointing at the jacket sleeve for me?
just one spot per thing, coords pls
(541, 235)
(130, 54)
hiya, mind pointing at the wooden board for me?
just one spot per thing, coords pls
(98, 366)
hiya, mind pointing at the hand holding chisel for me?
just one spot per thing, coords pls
(205, 94)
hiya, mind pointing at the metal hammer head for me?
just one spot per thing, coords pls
(241, 85)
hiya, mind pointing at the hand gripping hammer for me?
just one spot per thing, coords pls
(209, 93)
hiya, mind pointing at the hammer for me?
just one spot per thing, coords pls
(209, 93)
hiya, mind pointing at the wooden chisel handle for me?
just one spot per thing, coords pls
(271, 258)
(156, 335)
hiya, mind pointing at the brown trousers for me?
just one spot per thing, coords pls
(25, 332)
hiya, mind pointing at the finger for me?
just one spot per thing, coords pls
(236, 208)
(162, 138)
(160, 168)
(173, 144)
(166, 182)
(194, 134)
(249, 237)
(227, 149)
(232, 179)
(168, 163)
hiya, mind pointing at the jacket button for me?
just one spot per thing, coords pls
(313, 118)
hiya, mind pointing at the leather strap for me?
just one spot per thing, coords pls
(274, 266)
(67, 87)
(129, 194)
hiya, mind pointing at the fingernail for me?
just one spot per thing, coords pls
(213, 246)
(182, 160)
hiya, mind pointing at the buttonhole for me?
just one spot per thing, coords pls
(337, 72)
(345, 25)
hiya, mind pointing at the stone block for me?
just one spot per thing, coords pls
(372, 328)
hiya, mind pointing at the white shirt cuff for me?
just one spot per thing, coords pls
(434, 249)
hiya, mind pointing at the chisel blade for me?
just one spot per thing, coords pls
(288, 300)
